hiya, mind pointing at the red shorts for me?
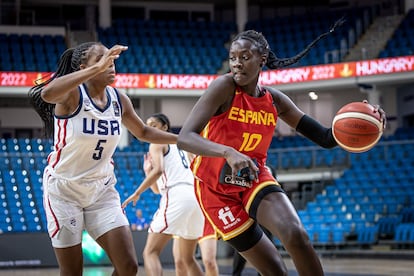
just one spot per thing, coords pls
(229, 212)
(209, 232)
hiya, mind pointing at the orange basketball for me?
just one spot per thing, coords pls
(357, 127)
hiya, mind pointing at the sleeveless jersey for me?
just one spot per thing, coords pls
(247, 126)
(85, 141)
(176, 169)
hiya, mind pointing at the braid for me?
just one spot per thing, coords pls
(44, 109)
(273, 62)
(69, 62)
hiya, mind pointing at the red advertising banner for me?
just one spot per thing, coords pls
(271, 77)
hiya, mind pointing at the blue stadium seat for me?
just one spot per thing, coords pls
(367, 235)
(339, 233)
(407, 214)
(387, 225)
(404, 233)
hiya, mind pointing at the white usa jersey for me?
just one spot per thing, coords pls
(176, 169)
(85, 141)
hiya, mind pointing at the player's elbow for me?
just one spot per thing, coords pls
(182, 140)
(157, 171)
(329, 146)
(47, 95)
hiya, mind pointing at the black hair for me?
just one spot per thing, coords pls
(69, 62)
(163, 119)
(273, 62)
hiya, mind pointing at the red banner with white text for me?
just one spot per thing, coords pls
(270, 77)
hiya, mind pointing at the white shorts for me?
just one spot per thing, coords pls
(179, 214)
(72, 207)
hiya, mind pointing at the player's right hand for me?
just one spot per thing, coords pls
(110, 56)
(134, 198)
(241, 163)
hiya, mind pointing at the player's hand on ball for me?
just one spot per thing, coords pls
(358, 126)
(381, 112)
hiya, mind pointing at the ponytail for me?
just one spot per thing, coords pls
(69, 62)
(273, 62)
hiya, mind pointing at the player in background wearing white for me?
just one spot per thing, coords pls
(82, 110)
(178, 216)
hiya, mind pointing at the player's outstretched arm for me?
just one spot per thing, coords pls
(141, 131)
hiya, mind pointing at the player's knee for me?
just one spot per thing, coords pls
(277, 270)
(147, 256)
(74, 270)
(149, 252)
(180, 264)
(210, 264)
(296, 237)
(184, 263)
(128, 267)
(273, 266)
(247, 239)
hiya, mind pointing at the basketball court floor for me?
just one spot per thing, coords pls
(332, 267)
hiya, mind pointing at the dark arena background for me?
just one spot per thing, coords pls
(358, 208)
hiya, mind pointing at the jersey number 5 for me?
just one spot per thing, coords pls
(98, 150)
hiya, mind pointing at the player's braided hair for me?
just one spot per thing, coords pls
(163, 119)
(69, 62)
(273, 62)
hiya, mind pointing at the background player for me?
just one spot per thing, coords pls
(208, 249)
(179, 214)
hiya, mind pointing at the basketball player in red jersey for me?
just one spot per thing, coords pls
(230, 129)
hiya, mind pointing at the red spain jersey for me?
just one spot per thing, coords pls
(247, 126)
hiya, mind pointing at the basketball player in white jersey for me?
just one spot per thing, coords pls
(178, 214)
(82, 110)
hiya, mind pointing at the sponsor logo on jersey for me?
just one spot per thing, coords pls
(243, 178)
(238, 181)
(117, 110)
(87, 104)
(227, 217)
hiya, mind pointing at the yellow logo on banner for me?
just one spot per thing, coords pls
(151, 82)
(345, 72)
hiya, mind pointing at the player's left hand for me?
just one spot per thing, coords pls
(147, 166)
(382, 113)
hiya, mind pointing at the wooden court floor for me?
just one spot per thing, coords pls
(332, 266)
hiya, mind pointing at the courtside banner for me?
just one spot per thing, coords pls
(270, 77)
